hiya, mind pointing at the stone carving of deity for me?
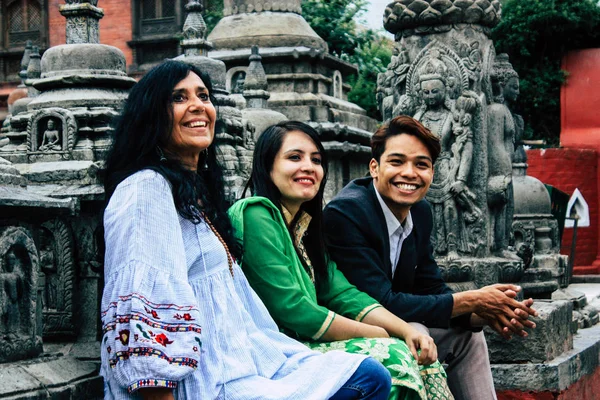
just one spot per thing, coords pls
(12, 290)
(452, 201)
(237, 82)
(504, 132)
(51, 138)
(391, 84)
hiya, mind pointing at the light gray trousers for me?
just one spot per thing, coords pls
(466, 354)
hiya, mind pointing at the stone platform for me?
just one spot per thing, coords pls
(51, 377)
(572, 375)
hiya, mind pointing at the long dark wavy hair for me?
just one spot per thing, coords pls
(145, 127)
(267, 146)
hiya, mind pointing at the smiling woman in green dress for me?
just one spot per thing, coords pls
(286, 263)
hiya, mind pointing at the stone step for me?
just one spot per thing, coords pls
(556, 375)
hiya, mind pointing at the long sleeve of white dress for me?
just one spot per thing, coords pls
(150, 316)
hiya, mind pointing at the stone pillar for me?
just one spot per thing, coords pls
(194, 41)
(82, 20)
(256, 94)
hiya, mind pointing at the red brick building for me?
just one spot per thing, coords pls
(145, 30)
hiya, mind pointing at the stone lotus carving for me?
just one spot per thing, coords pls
(231, 7)
(407, 14)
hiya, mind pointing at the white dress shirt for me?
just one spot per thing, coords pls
(396, 231)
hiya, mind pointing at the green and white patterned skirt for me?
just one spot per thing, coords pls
(410, 381)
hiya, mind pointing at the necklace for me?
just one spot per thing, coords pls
(229, 256)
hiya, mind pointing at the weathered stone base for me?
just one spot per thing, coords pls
(51, 378)
(551, 338)
(585, 389)
(557, 376)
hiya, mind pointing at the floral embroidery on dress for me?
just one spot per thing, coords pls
(152, 312)
(152, 331)
(376, 348)
(151, 352)
(124, 336)
(185, 317)
(143, 383)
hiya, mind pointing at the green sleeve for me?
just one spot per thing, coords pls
(344, 298)
(273, 274)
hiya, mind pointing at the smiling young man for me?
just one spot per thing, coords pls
(378, 232)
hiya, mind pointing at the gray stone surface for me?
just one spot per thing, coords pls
(264, 24)
(555, 375)
(51, 378)
(551, 338)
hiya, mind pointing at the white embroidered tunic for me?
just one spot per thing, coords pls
(173, 316)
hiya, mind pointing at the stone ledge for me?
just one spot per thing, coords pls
(549, 340)
(557, 374)
(64, 378)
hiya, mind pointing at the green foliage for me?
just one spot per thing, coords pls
(537, 34)
(335, 22)
(371, 59)
(213, 12)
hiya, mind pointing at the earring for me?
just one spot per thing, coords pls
(205, 166)
(161, 155)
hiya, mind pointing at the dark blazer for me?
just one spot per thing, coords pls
(358, 241)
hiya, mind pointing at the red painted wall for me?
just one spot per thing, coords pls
(568, 169)
(580, 100)
(580, 119)
(115, 26)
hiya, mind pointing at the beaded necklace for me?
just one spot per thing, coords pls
(229, 256)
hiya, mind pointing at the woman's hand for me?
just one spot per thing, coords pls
(157, 394)
(416, 340)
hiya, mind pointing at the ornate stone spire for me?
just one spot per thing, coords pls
(232, 7)
(34, 71)
(257, 113)
(25, 62)
(255, 85)
(82, 20)
(194, 31)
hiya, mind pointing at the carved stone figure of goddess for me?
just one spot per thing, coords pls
(452, 201)
(502, 130)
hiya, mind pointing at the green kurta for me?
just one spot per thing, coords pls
(276, 273)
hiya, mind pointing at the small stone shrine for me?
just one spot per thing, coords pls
(305, 82)
(50, 211)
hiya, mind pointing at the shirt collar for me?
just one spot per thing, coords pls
(392, 222)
